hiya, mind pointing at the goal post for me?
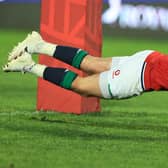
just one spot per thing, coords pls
(75, 23)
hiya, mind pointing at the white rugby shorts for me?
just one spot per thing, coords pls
(124, 79)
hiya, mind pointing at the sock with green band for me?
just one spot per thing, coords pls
(60, 76)
(70, 55)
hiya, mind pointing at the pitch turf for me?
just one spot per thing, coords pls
(129, 133)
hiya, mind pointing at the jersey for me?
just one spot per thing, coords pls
(156, 72)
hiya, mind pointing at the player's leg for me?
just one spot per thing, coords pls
(70, 55)
(94, 65)
(88, 86)
(80, 59)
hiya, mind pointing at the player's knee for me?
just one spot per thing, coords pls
(79, 87)
(82, 90)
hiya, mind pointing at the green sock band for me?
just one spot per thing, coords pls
(80, 55)
(68, 79)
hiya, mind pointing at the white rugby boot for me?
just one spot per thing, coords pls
(31, 44)
(23, 63)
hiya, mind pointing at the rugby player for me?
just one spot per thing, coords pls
(109, 78)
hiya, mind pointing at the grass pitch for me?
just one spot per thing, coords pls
(129, 133)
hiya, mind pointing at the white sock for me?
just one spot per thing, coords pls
(37, 69)
(46, 48)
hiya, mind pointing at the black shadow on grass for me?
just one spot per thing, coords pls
(110, 124)
(73, 133)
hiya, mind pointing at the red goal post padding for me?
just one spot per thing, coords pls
(74, 23)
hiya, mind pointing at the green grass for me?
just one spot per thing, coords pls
(130, 133)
